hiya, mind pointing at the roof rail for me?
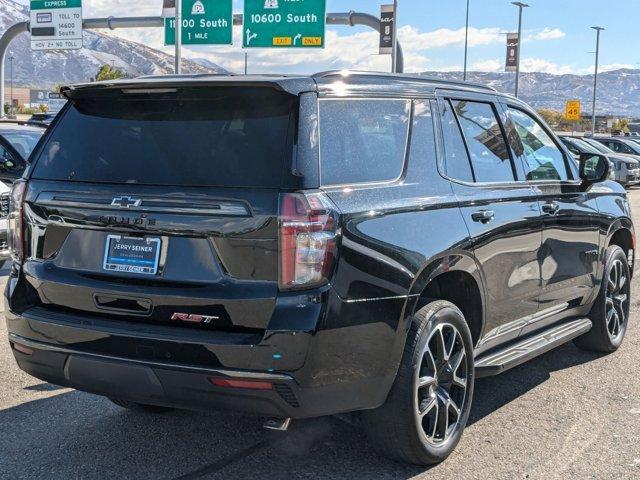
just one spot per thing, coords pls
(407, 76)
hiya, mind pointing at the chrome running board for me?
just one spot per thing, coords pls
(497, 362)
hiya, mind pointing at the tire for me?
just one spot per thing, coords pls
(140, 407)
(610, 311)
(395, 428)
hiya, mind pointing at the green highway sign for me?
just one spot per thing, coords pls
(49, 4)
(284, 23)
(204, 22)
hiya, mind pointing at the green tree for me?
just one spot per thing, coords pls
(621, 125)
(552, 117)
(107, 72)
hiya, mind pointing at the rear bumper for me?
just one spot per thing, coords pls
(154, 383)
(188, 387)
(311, 373)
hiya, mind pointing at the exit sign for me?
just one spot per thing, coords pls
(204, 22)
(284, 23)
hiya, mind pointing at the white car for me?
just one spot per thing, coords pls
(17, 141)
(4, 212)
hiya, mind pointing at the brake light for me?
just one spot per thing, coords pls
(15, 221)
(238, 383)
(22, 348)
(308, 234)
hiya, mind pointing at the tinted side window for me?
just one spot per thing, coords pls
(362, 140)
(544, 160)
(457, 159)
(490, 158)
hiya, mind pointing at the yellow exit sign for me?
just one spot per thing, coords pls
(281, 41)
(573, 110)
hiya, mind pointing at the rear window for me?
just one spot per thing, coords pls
(362, 140)
(191, 137)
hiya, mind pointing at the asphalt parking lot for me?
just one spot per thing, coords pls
(567, 414)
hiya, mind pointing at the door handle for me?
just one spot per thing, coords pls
(550, 208)
(483, 216)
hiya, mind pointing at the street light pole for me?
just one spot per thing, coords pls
(178, 42)
(520, 6)
(466, 43)
(394, 63)
(11, 84)
(595, 80)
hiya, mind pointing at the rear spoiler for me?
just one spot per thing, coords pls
(290, 85)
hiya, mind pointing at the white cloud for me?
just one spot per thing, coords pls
(613, 66)
(545, 66)
(412, 38)
(490, 65)
(546, 34)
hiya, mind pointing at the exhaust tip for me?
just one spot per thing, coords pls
(278, 424)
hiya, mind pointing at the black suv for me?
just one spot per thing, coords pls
(305, 246)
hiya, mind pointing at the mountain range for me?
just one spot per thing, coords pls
(618, 91)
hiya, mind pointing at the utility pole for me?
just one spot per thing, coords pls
(394, 67)
(466, 43)
(520, 6)
(178, 30)
(595, 80)
(11, 84)
(246, 62)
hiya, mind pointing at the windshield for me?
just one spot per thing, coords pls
(599, 146)
(632, 145)
(23, 141)
(584, 146)
(228, 137)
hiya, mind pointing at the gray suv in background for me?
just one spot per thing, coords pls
(626, 167)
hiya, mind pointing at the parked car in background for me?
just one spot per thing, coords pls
(306, 246)
(625, 169)
(17, 141)
(42, 118)
(620, 144)
(634, 139)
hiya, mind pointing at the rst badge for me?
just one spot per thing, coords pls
(194, 318)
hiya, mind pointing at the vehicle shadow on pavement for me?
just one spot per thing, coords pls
(493, 393)
(74, 434)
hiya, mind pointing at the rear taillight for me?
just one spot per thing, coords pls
(15, 221)
(308, 234)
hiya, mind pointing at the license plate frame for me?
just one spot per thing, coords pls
(132, 260)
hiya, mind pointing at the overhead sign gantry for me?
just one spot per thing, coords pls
(345, 18)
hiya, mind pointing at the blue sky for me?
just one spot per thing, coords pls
(557, 36)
